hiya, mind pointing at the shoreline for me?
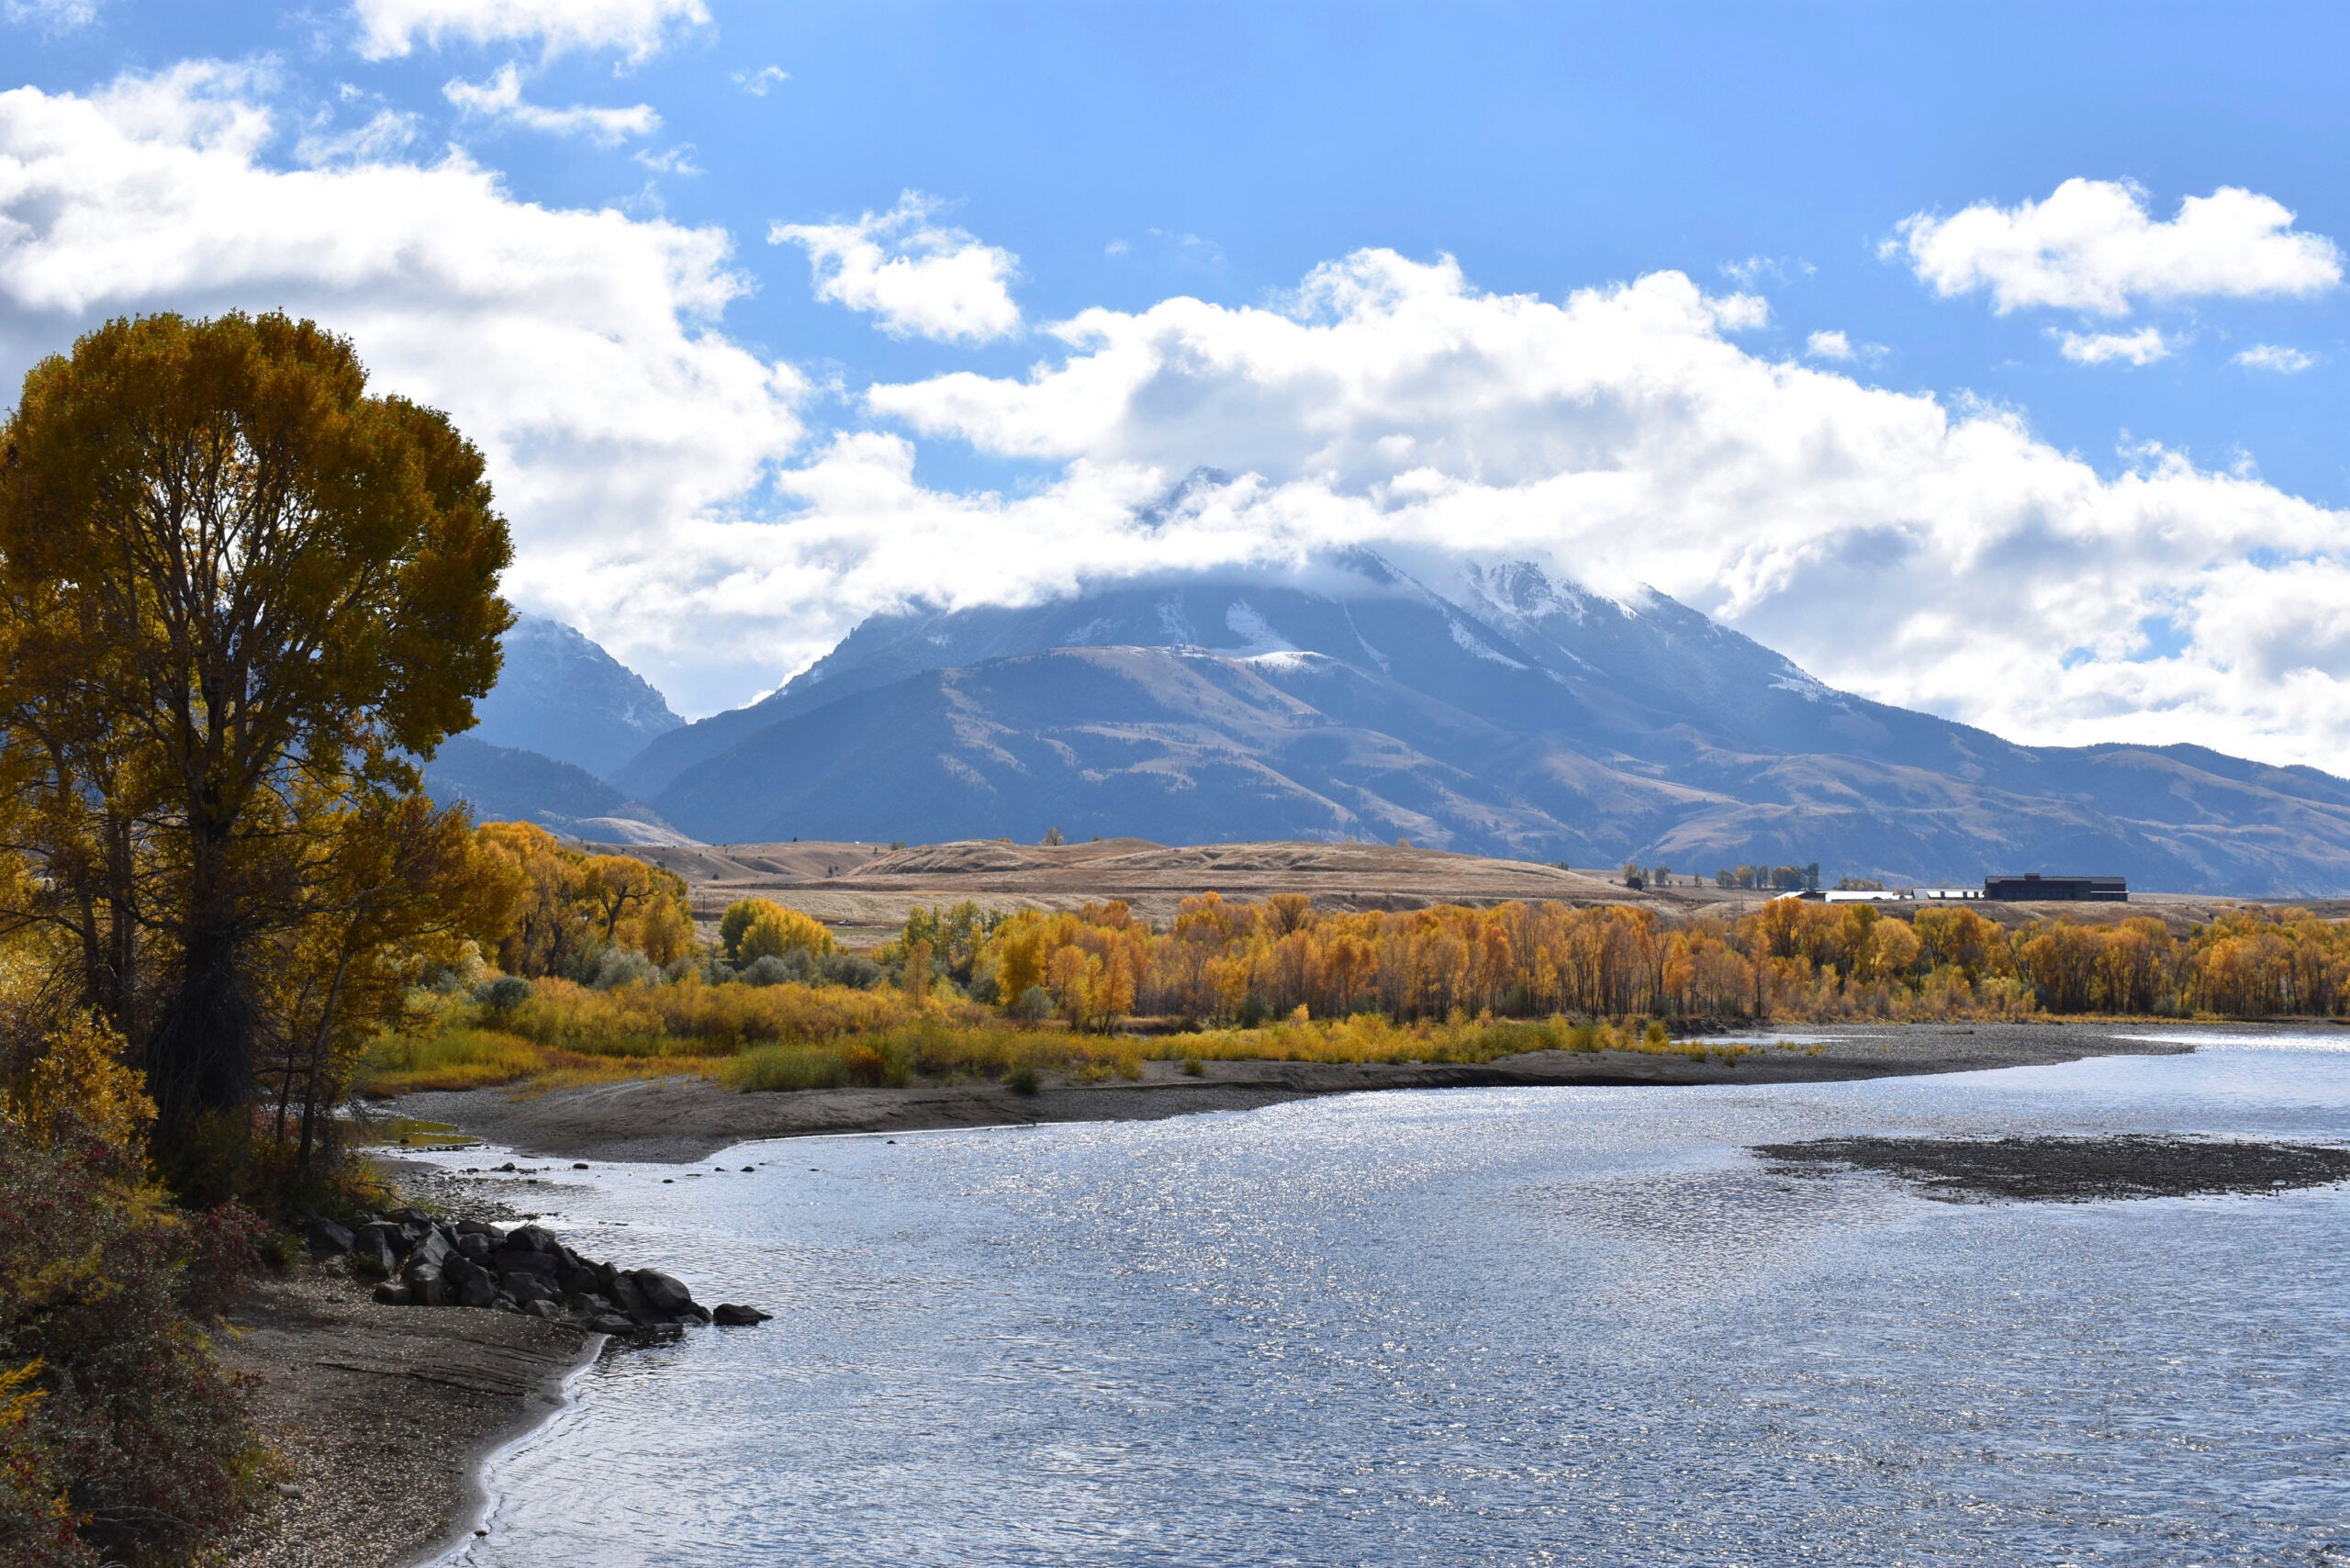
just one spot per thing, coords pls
(384, 1416)
(680, 1120)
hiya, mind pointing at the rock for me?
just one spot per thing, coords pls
(390, 1295)
(629, 1296)
(579, 1165)
(426, 1287)
(480, 1227)
(432, 1248)
(695, 1312)
(501, 1302)
(374, 1255)
(733, 1315)
(329, 1238)
(383, 1234)
(473, 1247)
(470, 1284)
(540, 1265)
(528, 1288)
(530, 1239)
(546, 1309)
(665, 1294)
(611, 1322)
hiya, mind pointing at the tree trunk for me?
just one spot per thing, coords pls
(200, 1057)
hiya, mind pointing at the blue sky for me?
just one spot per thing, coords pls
(1113, 158)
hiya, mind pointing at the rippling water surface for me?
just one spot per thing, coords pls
(1474, 1327)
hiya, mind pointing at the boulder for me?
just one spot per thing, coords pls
(470, 1284)
(528, 1288)
(629, 1296)
(665, 1294)
(611, 1322)
(733, 1315)
(425, 1285)
(475, 1247)
(511, 1264)
(481, 1228)
(329, 1238)
(385, 1236)
(390, 1295)
(530, 1239)
(432, 1248)
(546, 1309)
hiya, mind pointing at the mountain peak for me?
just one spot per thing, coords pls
(562, 696)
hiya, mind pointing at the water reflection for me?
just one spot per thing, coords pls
(1477, 1326)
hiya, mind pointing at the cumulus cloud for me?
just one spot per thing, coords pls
(581, 349)
(666, 501)
(1619, 435)
(2092, 246)
(2141, 347)
(918, 277)
(500, 98)
(1828, 345)
(762, 81)
(636, 28)
(2271, 357)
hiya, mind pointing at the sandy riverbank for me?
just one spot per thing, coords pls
(686, 1119)
(383, 1415)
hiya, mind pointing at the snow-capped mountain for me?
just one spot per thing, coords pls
(1486, 706)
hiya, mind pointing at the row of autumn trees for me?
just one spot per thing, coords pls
(1243, 962)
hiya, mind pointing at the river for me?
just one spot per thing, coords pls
(1559, 1325)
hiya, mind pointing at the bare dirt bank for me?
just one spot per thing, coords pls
(383, 1414)
(679, 1119)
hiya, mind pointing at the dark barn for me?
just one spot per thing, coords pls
(2032, 886)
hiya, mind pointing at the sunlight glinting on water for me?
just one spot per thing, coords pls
(1473, 1327)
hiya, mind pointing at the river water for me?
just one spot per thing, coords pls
(1552, 1325)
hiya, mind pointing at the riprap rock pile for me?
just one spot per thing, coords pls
(425, 1261)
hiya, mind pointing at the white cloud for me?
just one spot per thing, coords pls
(500, 98)
(634, 29)
(678, 160)
(1756, 270)
(662, 500)
(386, 133)
(1619, 435)
(762, 81)
(51, 15)
(918, 277)
(2271, 357)
(2141, 347)
(2092, 246)
(1828, 345)
(579, 349)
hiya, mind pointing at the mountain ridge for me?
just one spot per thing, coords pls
(1485, 706)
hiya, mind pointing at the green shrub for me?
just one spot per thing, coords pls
(1022, 1080)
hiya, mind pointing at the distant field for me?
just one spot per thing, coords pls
(864, 891)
